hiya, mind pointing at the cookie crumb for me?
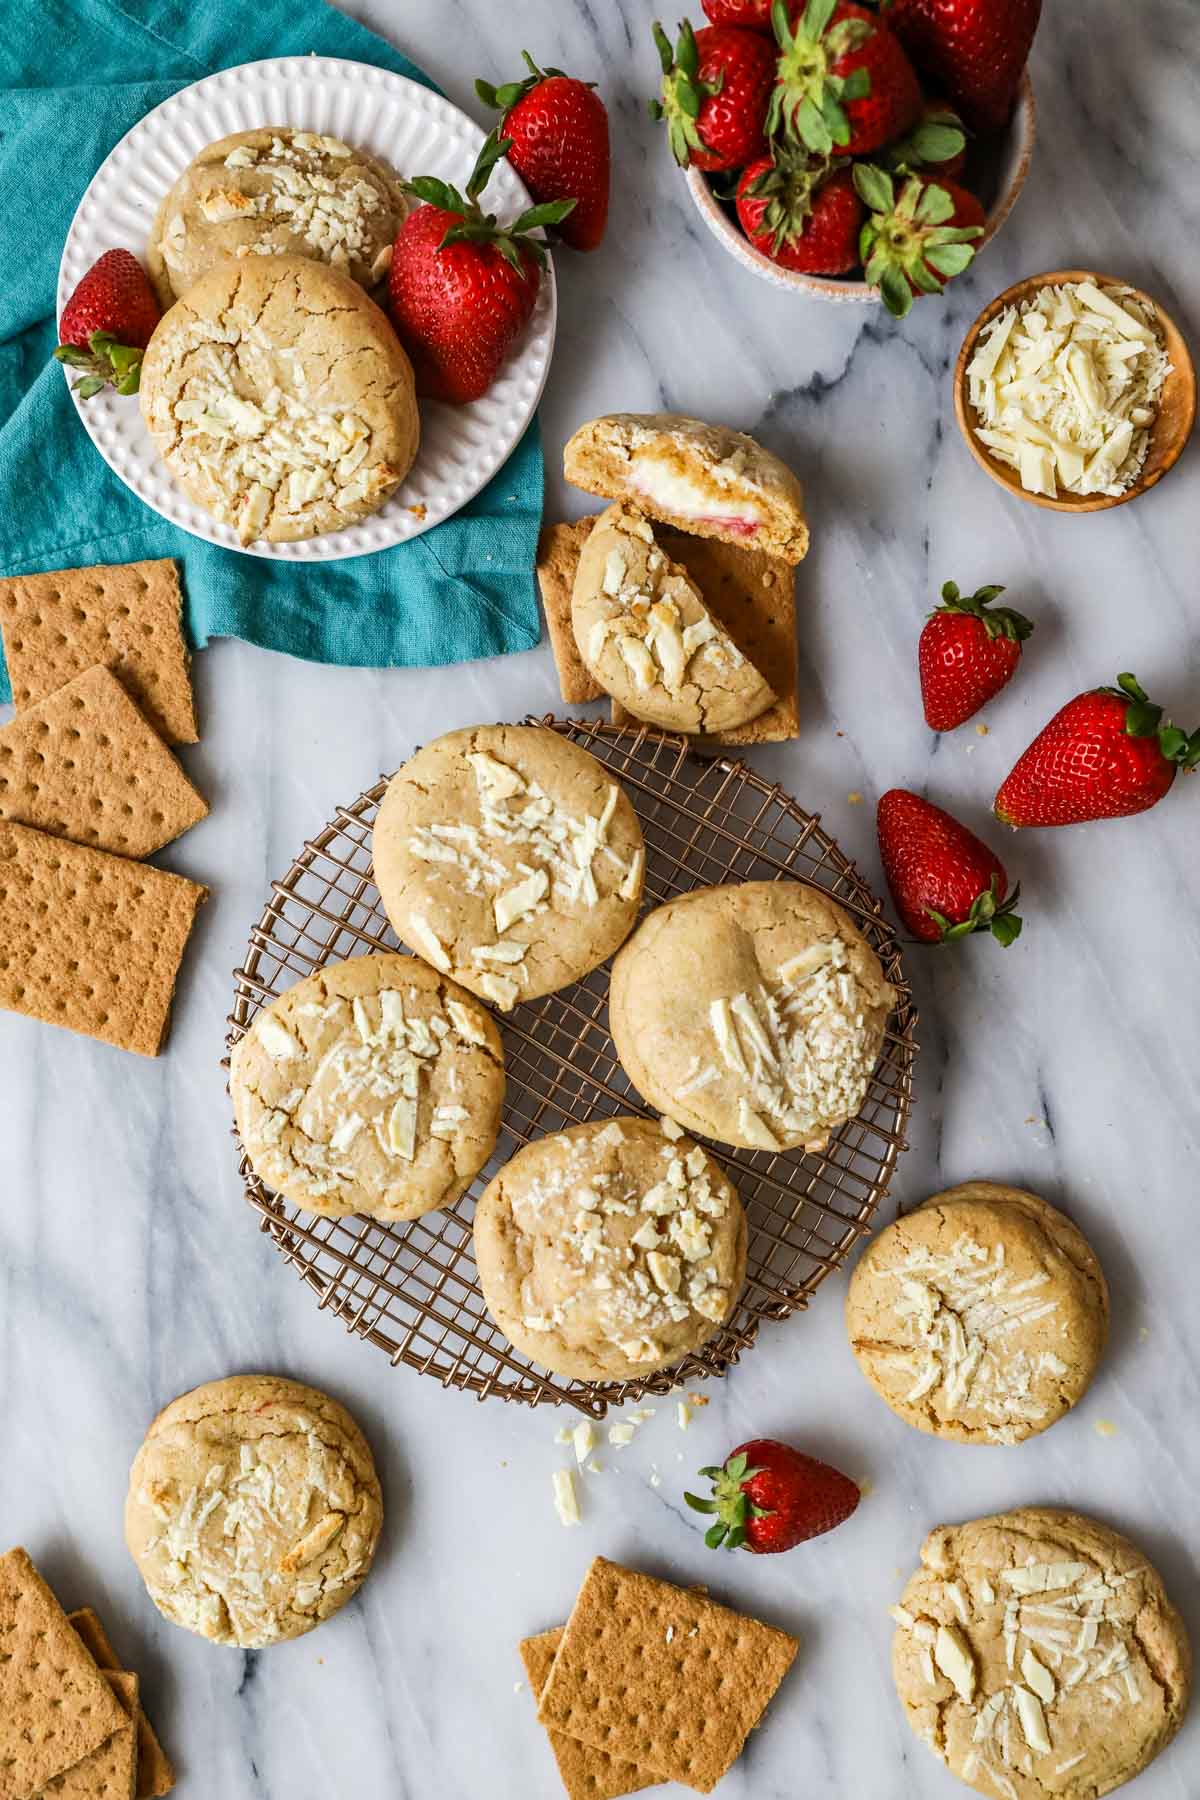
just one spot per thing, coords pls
(981, 730)
(854, 798)
(1105, 1428)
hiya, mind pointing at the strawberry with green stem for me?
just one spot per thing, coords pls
(461, 287)
(107, 324)
(967, 652)
(768, 1497)
(945, 881)
(843, 80)
(558, 131)
(801, 211)
(1105, 755)
(937, 142)
(716, 85)
(913, 242)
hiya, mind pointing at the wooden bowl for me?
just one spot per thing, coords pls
(1001, 181)
(1168, 434)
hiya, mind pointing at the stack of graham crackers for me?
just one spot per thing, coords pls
(750, 593)
(71, 1721)
(647, 1682)
(90, 937)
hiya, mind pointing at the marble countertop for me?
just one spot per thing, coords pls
(130, 1268)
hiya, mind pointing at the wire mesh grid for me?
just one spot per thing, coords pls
(411, 1288)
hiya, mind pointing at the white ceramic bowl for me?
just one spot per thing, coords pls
(1010, 165)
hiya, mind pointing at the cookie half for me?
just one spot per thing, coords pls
(280, 398)
(753, 1013)
(509, 859)
(610, 1250)
(374, 1086)
(981, 1316)
(1036, 1653)
(277, 191)
(646, 635)
(706, 479)
(254, 1510)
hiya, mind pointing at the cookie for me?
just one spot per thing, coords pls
(510, 859)
(753, 1014)
(55, 1706)
(280, 398)
(91, 941)
(83, 764)
(644, 631)
(127, 616)
(981, 1316)
(277, 192)
(701, 478)
(610, 1250)
(374, 1086)
(1036, 1653)
(587, 1774)
(155, 1776)
(253, 1510)
(661, 1676)
(751, 593)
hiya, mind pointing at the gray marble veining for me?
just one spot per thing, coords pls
(130, 1269)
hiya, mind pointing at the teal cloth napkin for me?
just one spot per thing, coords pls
(464, 589)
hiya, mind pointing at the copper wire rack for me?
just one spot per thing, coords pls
(411, 1288)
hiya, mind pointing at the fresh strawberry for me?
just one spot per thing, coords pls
(967, 652)
(912, 243)
(937, 143)
(769, 1497)
(107, 323)
(843, 79)
(1105, 755)
(462, 287)
(752, 15)
(975, 50)
(945, 881)
(800, 214)
(558, 128)
(715, 88)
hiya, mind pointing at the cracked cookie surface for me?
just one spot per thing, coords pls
(253, 1510)
(509, 859)
(374, 1086)
(981, 1316)
(277, 191)
(752, 1013)
(280, 399)
(646, 635)
(1036, 1653)
(705, 479)
(610, 1250)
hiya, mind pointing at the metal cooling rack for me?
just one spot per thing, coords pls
(411, 1288)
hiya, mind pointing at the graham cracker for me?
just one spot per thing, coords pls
(109, 1773)
(752, 594)
(660, 1676)
(90, 941)
(587, 1774)
(83, 764)
(155, 1774)
(55, 1706)
(557, 559)
(127, 616)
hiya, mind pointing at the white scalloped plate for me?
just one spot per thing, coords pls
(418, 133)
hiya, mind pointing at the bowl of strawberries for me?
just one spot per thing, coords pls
(859, 152)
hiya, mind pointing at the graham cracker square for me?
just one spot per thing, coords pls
(155, 1774)
(587, 1774)
(90, 941)
(109, 1773)
(661, 1676)
(752, 594)
(55, 1706)
(83, 764)
(127, 616)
